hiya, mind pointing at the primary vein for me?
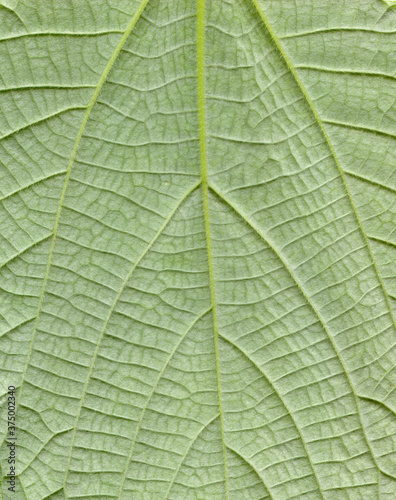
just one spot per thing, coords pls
(205, 192)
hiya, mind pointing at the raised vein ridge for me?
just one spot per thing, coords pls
(205, 191)
(84, 122)
(320, 123)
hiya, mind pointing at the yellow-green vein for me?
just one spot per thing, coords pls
(247, 462)
(205, 191)
(320, 123)
(111, 310)
(285, 405)
(90, 106)
(160, 374)
(186, 453)
(309, 302)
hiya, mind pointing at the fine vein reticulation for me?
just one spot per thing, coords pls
(197, 264)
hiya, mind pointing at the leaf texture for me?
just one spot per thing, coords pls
(198, 247)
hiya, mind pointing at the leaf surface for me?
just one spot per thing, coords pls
(198, 248)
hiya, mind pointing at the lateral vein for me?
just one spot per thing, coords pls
(300, 286)
(320, 123)
(90, 106)
(109, 314)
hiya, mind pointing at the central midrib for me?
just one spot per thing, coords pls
(205, 191)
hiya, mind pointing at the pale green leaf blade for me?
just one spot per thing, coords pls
(198, 248)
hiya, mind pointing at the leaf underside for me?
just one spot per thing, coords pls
(198, 246)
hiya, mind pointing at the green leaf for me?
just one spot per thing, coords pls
(198, 249)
